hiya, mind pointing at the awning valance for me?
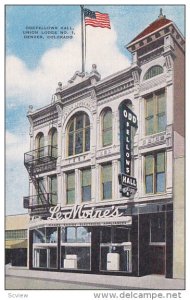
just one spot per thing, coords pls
(15, 244)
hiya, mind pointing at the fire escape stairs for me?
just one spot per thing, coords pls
(40, 188)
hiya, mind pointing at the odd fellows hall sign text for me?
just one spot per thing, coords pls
(127, 120)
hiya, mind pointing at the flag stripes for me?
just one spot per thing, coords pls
(96, 19)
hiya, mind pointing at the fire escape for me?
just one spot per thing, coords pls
(37, 162)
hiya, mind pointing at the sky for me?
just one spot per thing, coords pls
(35, 66)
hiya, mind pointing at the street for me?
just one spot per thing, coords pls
(23, 283)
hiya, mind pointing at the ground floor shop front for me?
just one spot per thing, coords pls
(138, 243)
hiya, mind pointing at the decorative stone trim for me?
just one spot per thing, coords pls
(152, 141)
(116, 90)
(152, 83)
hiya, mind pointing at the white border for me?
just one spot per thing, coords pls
(71, 294)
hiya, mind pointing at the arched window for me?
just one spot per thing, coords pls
(153, 71)
(40, 144)
(53, 141)
(107, 127)
(78, 134)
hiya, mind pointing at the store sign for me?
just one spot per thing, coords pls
(127, 120)
(81, 212)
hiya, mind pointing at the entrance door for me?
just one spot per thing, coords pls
(157, 260)
(45, 257)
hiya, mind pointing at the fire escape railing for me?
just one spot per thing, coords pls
(38, 161)
(37, 201)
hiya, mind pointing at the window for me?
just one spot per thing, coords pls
(39, 235)
(107, 181)
(40, 144)
(53, 189)
(155, 173)
(79, 134)
(71, 188)
(16, 234)
(45, 235)
(153, 71)
(86, 185)
(107, 128)
(76, 235)
(53, 141)
(155, 120)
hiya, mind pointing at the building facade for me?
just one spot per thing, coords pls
(16, 239)
(82, 218)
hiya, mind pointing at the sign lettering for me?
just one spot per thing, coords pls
(80, 212)
(127, 120)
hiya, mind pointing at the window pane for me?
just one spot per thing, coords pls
(107, 120)
(87, 139)
(149, 165)
(149, 184)
(86, 193)
(86, 177)
(71, 234)
(160, 183)
(87, 121)
(43, 258)
(161, 122)
(107, 190)
(160, 162)
(51, 234)
(71, 127)
(71, 196)
(161, 103)
(63, 235)
(41, 141)
(53, 189)
(83, 235)
(70, 144)
(78, 142)
(149, 107)
(82, 254)
(53, 258)
(79, 121)
(39, 235)
(106, 173)
(79, 134)
(153, 71)
(54, 138)
(107, 137)
(150, 125)
(71, 181)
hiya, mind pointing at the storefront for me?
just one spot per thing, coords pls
(134, 244)
(16, 239)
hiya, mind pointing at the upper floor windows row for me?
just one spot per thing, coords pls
(78, 130)
(81, 185)
(78, 134)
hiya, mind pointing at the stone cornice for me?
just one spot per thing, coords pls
(44, 115)
(112, 93)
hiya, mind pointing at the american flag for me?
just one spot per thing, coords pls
(96, 19)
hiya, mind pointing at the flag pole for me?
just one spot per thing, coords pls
(82, 37)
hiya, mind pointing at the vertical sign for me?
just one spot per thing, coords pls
(127, 120)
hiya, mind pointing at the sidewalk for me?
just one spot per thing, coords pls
(113, 282)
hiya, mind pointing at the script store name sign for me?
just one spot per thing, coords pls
(127, 120)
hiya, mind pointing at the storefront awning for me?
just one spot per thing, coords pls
(15, 244)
